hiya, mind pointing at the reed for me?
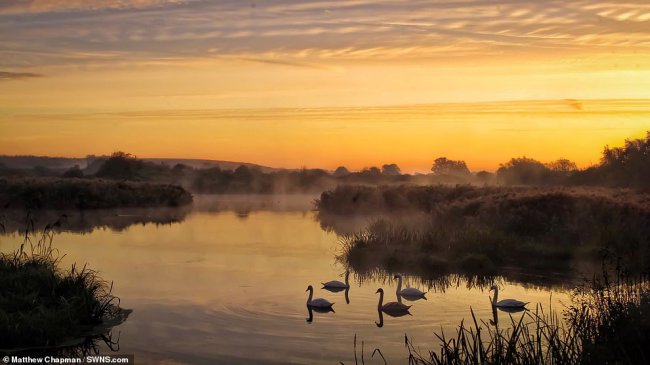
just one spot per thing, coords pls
(44, 307)
(606, 324)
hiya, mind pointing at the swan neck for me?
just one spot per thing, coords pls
(381, 299)
(399, 284)
(496, 294)
(311, 293)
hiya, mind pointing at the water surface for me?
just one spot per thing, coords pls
(225, 283)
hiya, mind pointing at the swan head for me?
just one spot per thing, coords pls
(380, 290)
(494, 287)
(397, 276)
(310, 288)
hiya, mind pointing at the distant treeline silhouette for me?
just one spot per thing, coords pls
(626, 166)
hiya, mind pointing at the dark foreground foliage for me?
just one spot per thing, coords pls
(43, 307)
(58, 193)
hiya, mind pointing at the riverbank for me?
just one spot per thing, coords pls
(74, 193)
(488, 230)
(44, 309)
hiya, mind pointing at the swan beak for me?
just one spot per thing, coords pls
(377, 291)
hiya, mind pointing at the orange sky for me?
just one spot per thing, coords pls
(359, 83)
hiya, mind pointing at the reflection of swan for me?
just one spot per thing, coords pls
(335, 284)
(393, 309)
(311, 311)
(495, 315)
(381, 319)
(506, 303)
(408, 293)
(318, 302)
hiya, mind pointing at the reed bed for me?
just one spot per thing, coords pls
(607, 323)
(43, 307)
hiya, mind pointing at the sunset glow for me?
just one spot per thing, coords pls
(321, 84)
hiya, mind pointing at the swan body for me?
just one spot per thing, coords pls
(506, 303)
(336, 284)
(318, 302)
(395, 309)
(408, 293)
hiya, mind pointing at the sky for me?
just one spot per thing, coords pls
(324, 83)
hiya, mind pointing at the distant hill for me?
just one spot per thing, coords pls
(64, 163)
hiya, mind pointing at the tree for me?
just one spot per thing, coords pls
(484, 177)
(370, 172)
(523, 170)
(391, 169)
(120, 166)
(562, 165)
(341, 171)
(444, 166)
(74, 172)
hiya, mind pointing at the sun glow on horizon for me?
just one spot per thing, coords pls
(322, 84)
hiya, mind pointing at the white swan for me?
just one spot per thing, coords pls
(335, 284)
(505, 303)
(394, 309)
(408, 293)
(318, 302)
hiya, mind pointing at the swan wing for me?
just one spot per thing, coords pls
(334, 284)
(511, 303)
(411, 292)
(320, 303)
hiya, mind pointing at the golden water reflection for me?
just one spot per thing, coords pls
(219, 288)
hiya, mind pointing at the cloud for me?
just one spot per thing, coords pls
(45, 6)
(49, 32)
(6, 75)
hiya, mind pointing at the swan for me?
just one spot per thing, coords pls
(335, 284)
(408, 293)
(505, 303)
(318, 302)
(394, 309)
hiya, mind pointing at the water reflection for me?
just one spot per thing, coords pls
(232, 310)
(311, 310)
(495, 313)
(336, 286)
(87, 221)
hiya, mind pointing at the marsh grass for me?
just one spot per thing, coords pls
(606, 324)
(73, 193)
(494, 230)
(44, 307)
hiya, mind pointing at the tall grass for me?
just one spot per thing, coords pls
(492, 231)
(42, 306)
(608, 323)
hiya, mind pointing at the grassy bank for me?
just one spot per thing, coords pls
(58, 193)
(489, 230)
(43, 307)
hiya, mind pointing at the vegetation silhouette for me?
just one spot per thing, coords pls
(44, 309)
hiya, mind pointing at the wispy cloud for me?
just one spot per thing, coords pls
(49, 32)
(6, 75)
(45, 6)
